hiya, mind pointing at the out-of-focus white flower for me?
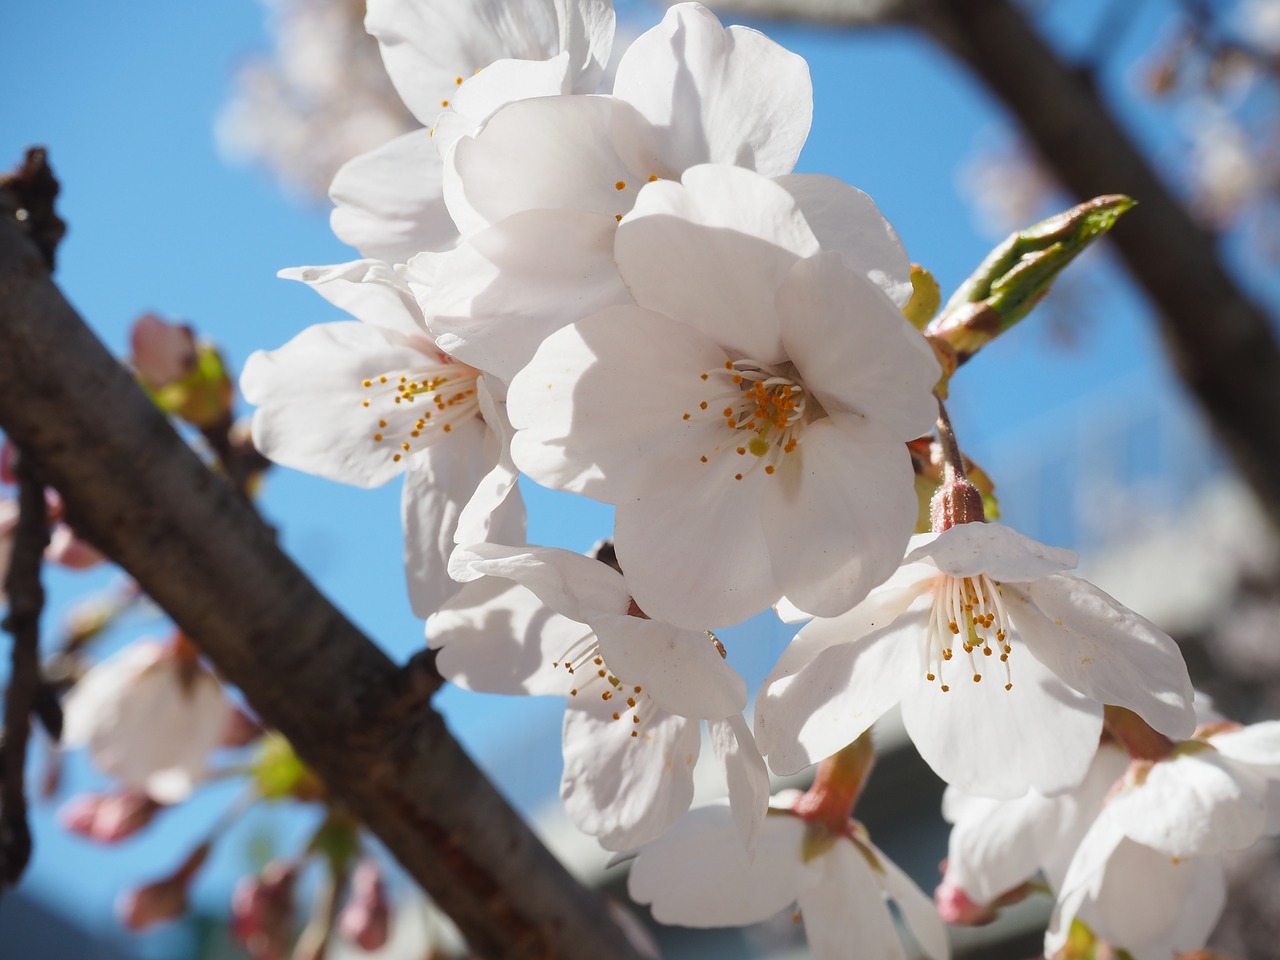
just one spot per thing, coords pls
(1007, 188)
(1226, 170)
(453, 64)
(1260, 22)
(699, 875)
(362, 402)
(545, 621)
(322, 97)
(150, 716)
(748, 415)
(976, 602)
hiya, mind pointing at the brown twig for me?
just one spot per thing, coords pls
(32, 189)
(26, 601)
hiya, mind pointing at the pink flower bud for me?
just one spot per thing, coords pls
(955, 907)
(162, 900)
(68, 550)
(262, 911)
(366, 919)
(163, 352)
(109, 817)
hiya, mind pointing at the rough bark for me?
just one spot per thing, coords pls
(137, 492)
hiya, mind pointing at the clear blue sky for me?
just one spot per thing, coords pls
(125, 97)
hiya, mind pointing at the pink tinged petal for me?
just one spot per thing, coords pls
(1193, 804)
(844, 904)
(711, 251)
(310, 397)
(369, 290)
(745, 773)
(627, 790)
(993, 848)
(836, 515)
(999, 743)
(1105, 650)
(827, 704)
(580, 588)
(916, 907)
(66, 549)
(427, 46)
(439, 483)
(1003, 554)
(680, 669)
(495, 636)
(1256, 746)
(699, 874)
(856, 353)
(847, 221)
(389, 202)
(510, 286)
(712, 94)
(551, 152)
(600, 407)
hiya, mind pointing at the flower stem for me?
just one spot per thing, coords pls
(838, 785)
(1135, 735)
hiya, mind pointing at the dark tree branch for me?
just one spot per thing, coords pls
(33, 189)
(23, 697)
(138, 493)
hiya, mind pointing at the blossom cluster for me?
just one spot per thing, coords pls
(628, 294)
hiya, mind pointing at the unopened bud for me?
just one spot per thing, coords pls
(163, 900)
(109, 817)
(262, 911)
(955, 907)
(366, 919)
(163, 352)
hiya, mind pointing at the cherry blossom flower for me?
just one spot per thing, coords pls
(977, 602)
(698, 875)
(362, 402)
(149, 715)
(538, 192)
(636, 688)
(464, 60)
(748, 415)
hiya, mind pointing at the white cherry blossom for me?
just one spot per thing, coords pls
(364, 401)
(149, 716)
(463, 59)
(748, 415)
(1001, 661)
(544, 621)
(699, 875)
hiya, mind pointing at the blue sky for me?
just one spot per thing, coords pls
(125, 97)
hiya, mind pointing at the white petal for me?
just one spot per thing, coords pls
(1104, 650)
(430, 46)
(1257, 746)
(627, 791)
(992, 847)
(600, 406)
(495, 636)
(508, 287)
(389, 202)
(1000, 743)
(551, 152)
(440, 481)
(837, 514)
(699, 875)
(998, 551)
(847, 221)
(856, 352)
(711, 251)
(1193, 804)
(745, 773)
(681, 669)
(495, 513)
(715, 95)
(369, 290)
(826, 705)
(844, 905)
(1141, 898)
(580, 588)
(916, 907)
(310, 397)
(483, 94)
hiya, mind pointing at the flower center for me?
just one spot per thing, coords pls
(592, 679)
(415, 408)
(968, 610)
(763, 409)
